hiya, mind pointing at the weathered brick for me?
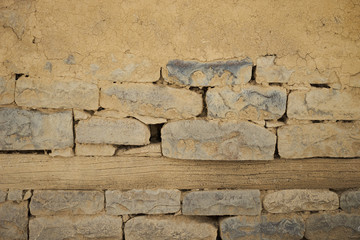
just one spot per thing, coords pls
(319, 140)
(276, 227)
(76, 227)
(350, 201)
(7, 89)
(35, 130)
(354, 80)
(220, 73)
(151, 100)
(94, 150)
(222, 202)
(324, 104)
(170, 228)
(216, 140)
(142, 201)
(250, 102)
(50, 93)
(13, 220)
(268, 71)
(3, 194)
(50, 202)
(15, 195)
(332, 226)
(294, 200)
(126, 131)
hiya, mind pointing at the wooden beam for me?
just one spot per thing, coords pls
(45, 172)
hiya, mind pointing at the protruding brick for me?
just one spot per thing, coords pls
(126, 131)
(76, 227)
(251, 102)
(324, 104)
(319, 140)
(7, 89)
(15, 195)
(268, 71)
(151, 100)
(294, 200)
(325, 226)
(220, 73)
(222, 202)
(170, 228)
(50, 93)
(350, 201)
(94, 150)
(277, 227)
(216, 140)
(142, 201)
(50, 202)
(13, 220)
(35, 130)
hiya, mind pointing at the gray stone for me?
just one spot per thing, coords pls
(220, 73)
(125, 131)
(7, 90)
(3, 194)
(275, 227)
(216, 140)
(319, 140)
(50, 202)
(13, 220)
(170, 228)
(76, 227)
(222, 202)
(135, 201)
(325, 226)
(151, 100)
(15, 195)
(250, 102)
(35, 130)
(350, 201)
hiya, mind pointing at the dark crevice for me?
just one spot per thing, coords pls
(275, 84)
(203, 92)
(218, 237)
(18, 75)
(345, 121)
(155, 131)
(100, 109)
(28, 220)
(253, 75)
(284, 118)
(317, 121)
(276, 153)
(320, 85)
(24, 151)
(73, 128)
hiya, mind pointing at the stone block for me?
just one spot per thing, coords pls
(222, 202)
(151, 150)
(324, 104)
(151, 100)
(50, 93)
(76, 227)
(275, 227)
(170, 228)
(81, 115)
(319, 140)
(14, 220)
(142, 201)
(51, 202)
(267, 71)
(250, 102)
(7, 89)
(295, 200)
(350, 201)
(35, 130)
(216, 140)
(15, 195)
(326, 226)
(126, 131)
(94, 150)
(3, 194)
(203, 74)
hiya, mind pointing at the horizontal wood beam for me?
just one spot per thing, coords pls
(31, 171)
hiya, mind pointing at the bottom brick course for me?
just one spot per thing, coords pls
(13, 220)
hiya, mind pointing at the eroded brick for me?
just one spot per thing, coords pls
(13, 220)
(350, 201)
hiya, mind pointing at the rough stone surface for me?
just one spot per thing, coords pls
(251, 102)
(50, 202)
(142, 201)
(7, 90)
(324, 104)
(222, 202)
(319, 140)
(294, 200)
(64, 152)
(268, 71)
(81, 115)
(276, 227)
(94, 150)
(13, 220)
(15, 195)
(150, 120)
(34, 130)
(125, 131)
(151, 100)
(151, 150)
(354, 80)
(76, 227)
(324, 226)
(3, 194)
(46, 93)
(220, 73)
(170, 228)
(215, 140)
(350, 201)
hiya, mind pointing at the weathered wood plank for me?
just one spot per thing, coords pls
(44, 172)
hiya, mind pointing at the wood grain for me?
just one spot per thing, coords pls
(31, 171)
